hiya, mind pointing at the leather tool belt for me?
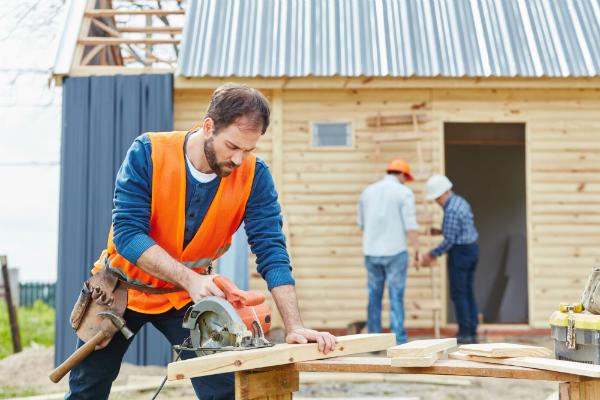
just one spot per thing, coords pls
(104, 291)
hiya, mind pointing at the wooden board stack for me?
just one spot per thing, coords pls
(420, 353)
(498, 350)
(522, 356)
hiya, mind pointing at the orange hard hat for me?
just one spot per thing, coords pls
(399, 165)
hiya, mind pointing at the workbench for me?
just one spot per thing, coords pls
(280, 382)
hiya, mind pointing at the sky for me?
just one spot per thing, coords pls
(29, 137)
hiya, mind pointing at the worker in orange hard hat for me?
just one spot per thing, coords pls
(399, 165)
(387, 217)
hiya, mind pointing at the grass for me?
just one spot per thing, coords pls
(36, 324)
(6, 392)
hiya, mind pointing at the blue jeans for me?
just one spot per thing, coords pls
(393, 269)
(92, 379)
(462, 260)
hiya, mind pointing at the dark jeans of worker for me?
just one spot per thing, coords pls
(462, 261)
(393, 270)
(92, 379)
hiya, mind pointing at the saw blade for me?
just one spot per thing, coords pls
(217, 325)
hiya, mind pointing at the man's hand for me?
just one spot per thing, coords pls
(435, 231)
(285, 298)
(200, 286)
(427, 260)
(156, 261)
(325, 340)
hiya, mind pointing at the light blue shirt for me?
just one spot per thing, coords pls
(386, 211)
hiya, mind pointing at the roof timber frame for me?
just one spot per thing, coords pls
(120, 34)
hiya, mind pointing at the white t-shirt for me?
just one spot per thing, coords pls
(199, 176)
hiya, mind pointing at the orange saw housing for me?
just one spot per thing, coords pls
(250, 305)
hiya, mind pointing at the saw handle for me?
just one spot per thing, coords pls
(78, 356)
(236, 296)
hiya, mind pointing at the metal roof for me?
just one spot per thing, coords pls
(397, 38)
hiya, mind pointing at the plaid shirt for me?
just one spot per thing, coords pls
(458, 226)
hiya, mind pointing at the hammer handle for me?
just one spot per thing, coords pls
(78, 356)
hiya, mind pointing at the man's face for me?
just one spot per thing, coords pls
(227, 149)
(442, 199)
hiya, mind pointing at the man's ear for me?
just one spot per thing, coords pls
(208, 125)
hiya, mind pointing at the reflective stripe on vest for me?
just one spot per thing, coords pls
(167, 222)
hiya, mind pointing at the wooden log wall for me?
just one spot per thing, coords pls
(320, 187)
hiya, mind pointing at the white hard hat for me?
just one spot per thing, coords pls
(437, 185)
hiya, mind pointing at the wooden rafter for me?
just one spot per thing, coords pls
(150, 29)
(104, 40)
(108, 29)
(111, 13)
(122, 40)
(91, 54)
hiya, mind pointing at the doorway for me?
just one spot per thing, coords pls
(486, 164)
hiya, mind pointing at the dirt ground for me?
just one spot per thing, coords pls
(26, 374)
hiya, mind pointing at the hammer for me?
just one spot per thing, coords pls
(81, 353)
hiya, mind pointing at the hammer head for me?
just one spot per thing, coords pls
(119, 322)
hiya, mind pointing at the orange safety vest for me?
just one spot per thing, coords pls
(167, 223)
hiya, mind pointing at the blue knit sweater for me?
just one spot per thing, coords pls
(263, 221)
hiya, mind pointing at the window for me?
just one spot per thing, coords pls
(332, 134)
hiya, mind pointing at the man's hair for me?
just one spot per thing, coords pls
(232, 101)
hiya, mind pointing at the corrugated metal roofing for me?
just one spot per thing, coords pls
(403, 38)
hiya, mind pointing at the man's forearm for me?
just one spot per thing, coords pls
(287, 304)
(442, 248)
(157, 262)
(413, 239)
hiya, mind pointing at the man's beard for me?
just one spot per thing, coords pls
(211, 158)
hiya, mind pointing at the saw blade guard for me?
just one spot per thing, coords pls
(214, 323)
(250, 305)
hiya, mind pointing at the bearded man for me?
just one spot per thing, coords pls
(179, 198)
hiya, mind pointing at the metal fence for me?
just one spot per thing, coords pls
(29, 293)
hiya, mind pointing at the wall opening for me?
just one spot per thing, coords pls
(486, 163)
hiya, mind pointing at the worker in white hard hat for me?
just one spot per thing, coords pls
(460, 242)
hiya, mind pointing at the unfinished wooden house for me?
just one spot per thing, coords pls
(503, 97)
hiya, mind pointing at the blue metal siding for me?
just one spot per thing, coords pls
(396, 38)
(101, 117)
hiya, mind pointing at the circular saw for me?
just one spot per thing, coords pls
(237, 322)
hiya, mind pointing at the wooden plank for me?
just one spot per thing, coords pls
(549, 364)
(95, 70)
(111, 12)
(421, 348)
(579, 390)
(122, 40)
(324, 83)
(371, 377)
(277, 355)
(397, 136)
(251, 385)
(424, 361)
(12, 310)
(505, 350)
(83, 31)
(391, 120)
(91, 54)
(149, 29)
(441, 367)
